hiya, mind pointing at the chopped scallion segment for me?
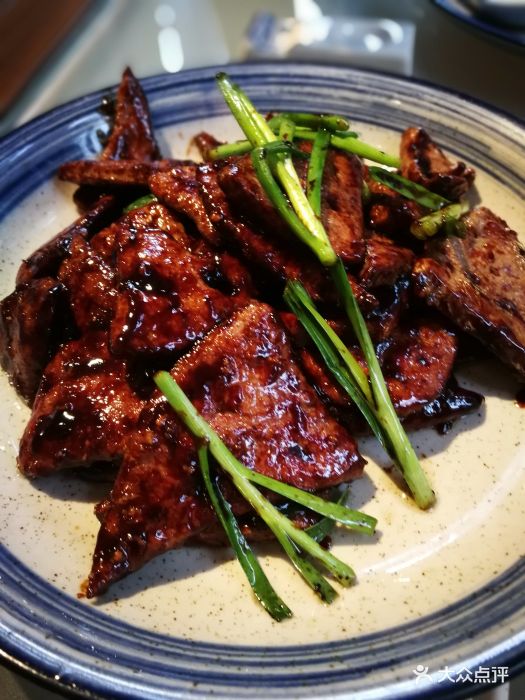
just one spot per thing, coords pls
(140, 202)
(259, 134)
(402, 450)
(314, 177)
(322, 529)
(330, 122)
(262, 588)
(409, 189)
(242, 478)
(429, 225)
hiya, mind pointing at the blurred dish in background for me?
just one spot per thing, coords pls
(503, 20)
(377, 43)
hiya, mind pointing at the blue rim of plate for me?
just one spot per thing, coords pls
(81, 649)
(505, 34)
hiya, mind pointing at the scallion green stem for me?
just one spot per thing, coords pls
(324, 527)
(331, 122)
(407, 188)
(277, 198)
(429, 225)
(314, 177)
(259, 133)
(404, 454)
(323, 338)
(313, 578)
(242, 476)
(226, 150)
(262, 588)
(344, 142)
(365, 150)
(286, 130)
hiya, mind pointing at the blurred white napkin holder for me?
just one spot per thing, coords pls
(379, 44)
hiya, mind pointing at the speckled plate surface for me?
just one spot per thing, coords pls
(439, 590)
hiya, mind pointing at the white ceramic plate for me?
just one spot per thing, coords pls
(440, 591)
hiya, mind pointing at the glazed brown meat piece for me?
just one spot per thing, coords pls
(89, 270)
(163, 303)
(385, 262)
(46, 260)
(155, 287)
(478, 281)
(90, 283)
(131, 136)
(180, 190)
(108, 173)
(416, 361)
(422, 161)
(84, 411)
(33, 321)
(156, 504)
(246, 367)
(244, 381)
(341, 207)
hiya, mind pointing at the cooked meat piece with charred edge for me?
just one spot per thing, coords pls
(112, 172)
(163, 303)
(34, 320)
(131, 136)
(393, 301)
(180, 190)
(478, 282)
(453, 402)
(90, 284)
(417, 363)
(385, 262)
(155, 505)
(84, 411)
(388, 212)
(46, 260)
(246, 367)
(245, 382)
(205, 142)
(157, 288)
(425, 163)
(341, 201)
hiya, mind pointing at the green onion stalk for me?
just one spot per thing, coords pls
(343, 141)
(295, 542)
(279, 179)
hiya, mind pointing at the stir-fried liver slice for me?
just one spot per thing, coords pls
(84, 411)
(422, 161)
(245, 382)
(341, 206)
(478, 281)
(33, 322)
